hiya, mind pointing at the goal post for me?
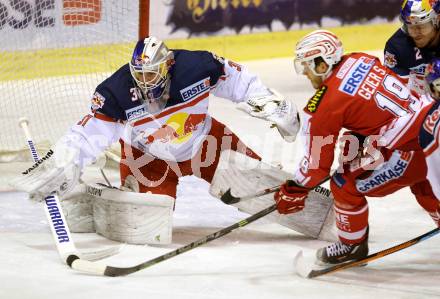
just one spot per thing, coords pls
(53, 54)
(144, 13)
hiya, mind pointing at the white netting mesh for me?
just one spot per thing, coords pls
(53, 53)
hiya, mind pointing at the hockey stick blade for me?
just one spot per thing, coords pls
(229, 199)
(301, 267)
(96, 255)
(302, 271)
(99, 269)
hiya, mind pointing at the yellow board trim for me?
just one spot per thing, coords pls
(281, 44)
(108, 58)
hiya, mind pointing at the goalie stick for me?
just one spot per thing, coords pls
(55, 217)
(100, 269)
(230, 199)
(302, 269)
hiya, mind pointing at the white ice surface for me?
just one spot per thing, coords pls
(253, 262)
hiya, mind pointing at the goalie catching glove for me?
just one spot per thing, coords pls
(55, 172)
(274, 108)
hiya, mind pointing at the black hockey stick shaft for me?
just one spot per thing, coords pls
(230, 199)
(86, 266)
(374, 256)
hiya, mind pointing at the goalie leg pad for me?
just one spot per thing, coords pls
(133, 218)
(244, 175)
(78, 210)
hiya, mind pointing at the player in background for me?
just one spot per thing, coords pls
(156, 106)
(422, 129)
(429, 134)
(411, 47)
(354, 92)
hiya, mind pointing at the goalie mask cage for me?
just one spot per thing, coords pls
(53, 53)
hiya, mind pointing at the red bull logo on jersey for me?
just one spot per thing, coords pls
(390, 60)
(195, 89)
(357, 74)
(97, 101)
(177, 129)
(432, 121)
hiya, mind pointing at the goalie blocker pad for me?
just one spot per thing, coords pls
(128, 217)
(244, 176)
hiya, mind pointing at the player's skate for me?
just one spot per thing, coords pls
(340, 253)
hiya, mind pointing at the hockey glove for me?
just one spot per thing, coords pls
(276, 109)
(55, 172)
(286, 119)
(290, 198)
(261, 106)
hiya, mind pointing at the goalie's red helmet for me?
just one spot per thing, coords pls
(319, 43)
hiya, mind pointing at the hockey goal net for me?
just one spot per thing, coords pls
(53, 53)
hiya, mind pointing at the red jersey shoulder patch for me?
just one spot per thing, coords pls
(314, 102)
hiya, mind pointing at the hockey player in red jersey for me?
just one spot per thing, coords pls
(421, 129)
(355, 92)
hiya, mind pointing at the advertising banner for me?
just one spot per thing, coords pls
(34, 24)
(208, 17)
